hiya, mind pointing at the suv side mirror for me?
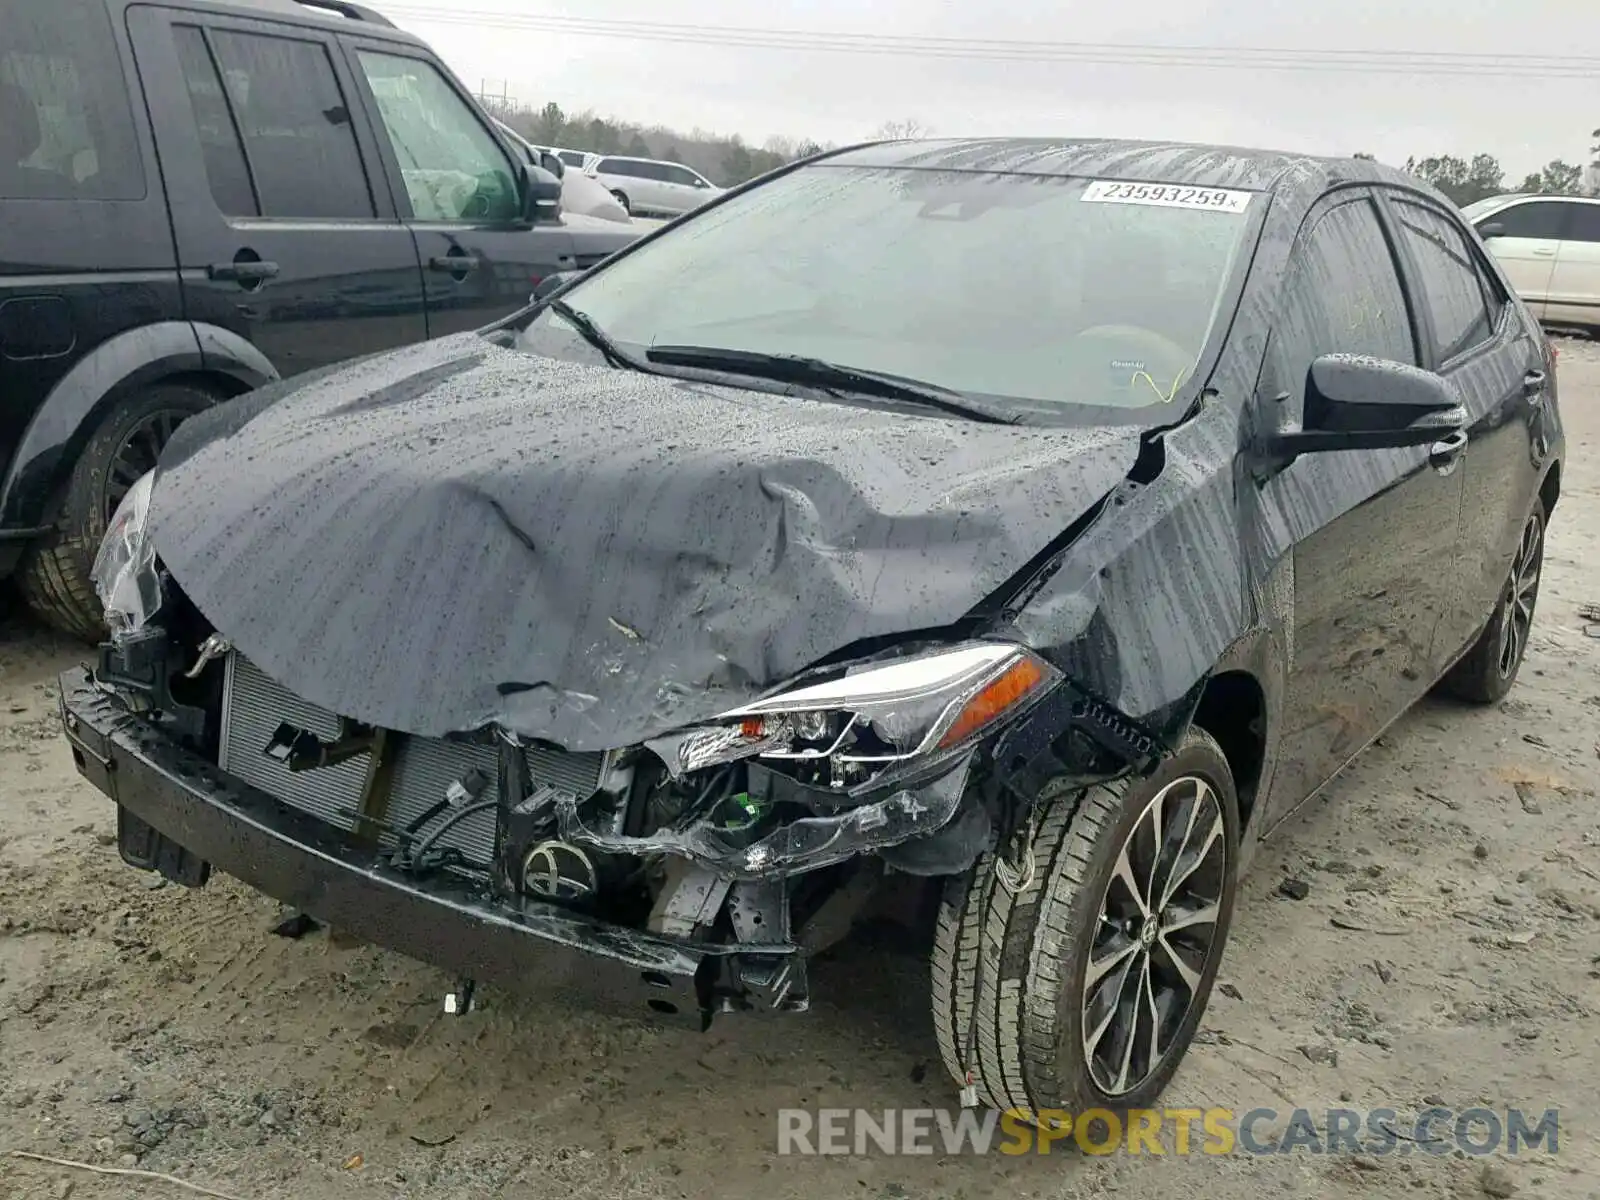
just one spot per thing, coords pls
(1358, 403)
(540, 194)
(1491, 229)
(552, 164)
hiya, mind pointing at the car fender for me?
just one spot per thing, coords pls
(130, 360)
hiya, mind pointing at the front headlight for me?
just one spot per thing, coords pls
(873, 716)
(124, 572)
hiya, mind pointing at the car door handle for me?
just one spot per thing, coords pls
(246, 271)
(1543, 252)
(1446, 452)
(454, 264)
(1533, 386)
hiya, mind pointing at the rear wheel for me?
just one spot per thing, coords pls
(54, 578)
(1488, 670)
(622, 199)
(1081, 984)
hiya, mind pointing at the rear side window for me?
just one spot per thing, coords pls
(1342, 296)
(1449, 285)
(66, 128)
(1538, 219)
(288, 108)
(226, 169)
(1585, 226)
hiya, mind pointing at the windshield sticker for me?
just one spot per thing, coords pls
(1167, 195)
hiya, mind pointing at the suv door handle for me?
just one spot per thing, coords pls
(245, 271)
(453, 264)
(1533, 385)
(1543, 252)
(1444, 454)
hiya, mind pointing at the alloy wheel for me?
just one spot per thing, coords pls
(1155, 934)
(137, 455)
(1522, 590)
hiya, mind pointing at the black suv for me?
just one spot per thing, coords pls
(199, 197)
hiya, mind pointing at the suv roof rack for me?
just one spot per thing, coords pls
(353, 12)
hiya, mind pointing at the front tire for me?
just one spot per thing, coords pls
(54, 579)
(1487, 671)
(622, 199)
(1078, 992)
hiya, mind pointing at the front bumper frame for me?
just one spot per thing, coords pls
(444, 920)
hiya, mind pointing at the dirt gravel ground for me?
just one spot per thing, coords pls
(1460, 857)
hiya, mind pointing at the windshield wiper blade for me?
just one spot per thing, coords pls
(595, 336)
(797, 368)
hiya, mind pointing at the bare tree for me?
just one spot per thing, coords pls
(896, 130)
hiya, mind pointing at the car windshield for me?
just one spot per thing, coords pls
(1046, 293)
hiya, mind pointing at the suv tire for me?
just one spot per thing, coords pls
(54, 578)
(1009, 970)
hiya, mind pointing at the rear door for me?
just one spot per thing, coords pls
(1494, 355)
(1526, 243)
(284, 236)
(1575, 283)
(1373, 533)
(457, 188)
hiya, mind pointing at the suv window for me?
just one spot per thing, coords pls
(1450, 285)
(454, 169)
(66, 130)
(617, 166)
(295, 125)
(1585, 223)
(1342, 296)
(681, 175)
(571, 157)
(1535, 219)
(226, 169)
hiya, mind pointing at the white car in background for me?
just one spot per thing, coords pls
(648, 185)
(580, 195)
(1549, 247)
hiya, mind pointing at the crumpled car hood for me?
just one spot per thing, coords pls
(457, 534)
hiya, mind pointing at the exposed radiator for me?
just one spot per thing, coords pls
(254, 706)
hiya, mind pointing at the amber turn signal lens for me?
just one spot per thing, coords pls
(1001, 694)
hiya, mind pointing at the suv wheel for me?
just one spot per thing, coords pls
(55, 573)
(1082, 983)
(1488, 670)
(622, 199)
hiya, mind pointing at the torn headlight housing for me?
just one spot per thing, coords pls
(873, 723)
(125, 575)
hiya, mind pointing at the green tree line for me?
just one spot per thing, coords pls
(1465, 180)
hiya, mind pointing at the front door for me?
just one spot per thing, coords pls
(459, 192)
(283, 236)
(1372, 534)
(1495, 357)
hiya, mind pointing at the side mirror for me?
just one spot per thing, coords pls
(1358, 403)
(541, 195)
(552, 164)
(1491, 229)
(551, 284)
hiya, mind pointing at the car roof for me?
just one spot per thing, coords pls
(341, 13)
(1137, 161)
(665, 162)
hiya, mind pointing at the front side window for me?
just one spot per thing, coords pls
(453, 168)
(295, 126)
(66, 129)
(1341, 295)
(1585, 225)
(1450, 285)
(1069, 298)
(1544, 219)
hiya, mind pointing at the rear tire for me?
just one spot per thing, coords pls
(1488, 670)
(622, 199)
(54, 576)
(1009, 972)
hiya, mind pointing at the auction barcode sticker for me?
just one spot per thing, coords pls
(1167, 195)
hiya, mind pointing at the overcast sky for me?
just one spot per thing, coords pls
(1525, 119)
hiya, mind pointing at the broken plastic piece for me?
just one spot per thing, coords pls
(460, 1000)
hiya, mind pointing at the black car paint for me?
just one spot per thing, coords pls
(1299, 607)
(100, 298)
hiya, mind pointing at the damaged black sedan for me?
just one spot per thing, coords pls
(1037, 522)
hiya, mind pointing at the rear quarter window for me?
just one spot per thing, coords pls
(66, 125)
